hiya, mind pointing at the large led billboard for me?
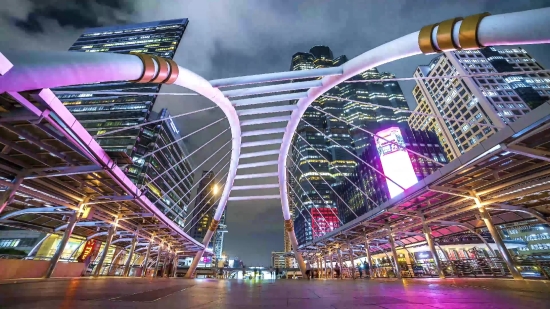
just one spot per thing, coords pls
(396, 162)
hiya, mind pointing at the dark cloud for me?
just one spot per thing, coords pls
(228, 38)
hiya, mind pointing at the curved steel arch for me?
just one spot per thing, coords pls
(528, 27)
(37, 70)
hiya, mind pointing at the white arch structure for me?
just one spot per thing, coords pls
(473, 32)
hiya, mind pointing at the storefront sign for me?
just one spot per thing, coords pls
(426, 255)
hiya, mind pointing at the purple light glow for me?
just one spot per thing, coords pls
(396, 162)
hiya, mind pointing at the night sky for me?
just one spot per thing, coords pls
(227, 38)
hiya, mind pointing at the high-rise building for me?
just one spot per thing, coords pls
(328, 139)
(399, 165)
(101, 113)
(203, 212)
(472, 108)
(208, 192)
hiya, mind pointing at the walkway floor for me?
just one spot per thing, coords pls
(204, 293)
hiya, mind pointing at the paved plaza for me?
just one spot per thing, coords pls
(208, 293)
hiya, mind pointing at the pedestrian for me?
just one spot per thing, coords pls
(308, 271)
(360, 270)
(366, 267)
(276, 272)
(337, 270)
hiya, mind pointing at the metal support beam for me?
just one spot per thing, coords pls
(63, 171)
(7, 196)
(500, 244)
(126, 272)
(528, 152)
(175, 265)
(146, 260)
(38, 210)
(165, 264)
(159, 253)
(339, 253)
(110, 234)
(369, 258)
(394, 254)
(68, 231)
(428, 235)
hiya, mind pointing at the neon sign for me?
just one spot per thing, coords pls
(396, 162)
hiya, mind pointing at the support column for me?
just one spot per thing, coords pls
(126, 272)
(369, 259)
(352, 260)
(159, 252)
(431, 245)
(175, 265)
(146, 260)
(500, 244)
(99, 265)
(68, 231)
(339, 252)
(164, 266)
(396, 265)
(211, 230)
(289, 229)
(7, 196)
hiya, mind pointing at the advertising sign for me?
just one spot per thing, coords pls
(91, 249)
(396, 162)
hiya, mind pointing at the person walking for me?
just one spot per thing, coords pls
(366, 267)
(276, 272)
(308, 270)
(337, 270)
(359, 270)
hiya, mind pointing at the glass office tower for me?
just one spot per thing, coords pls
(325, 142)
(100, 113)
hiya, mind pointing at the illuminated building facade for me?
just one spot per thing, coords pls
(407, 168)
(324, 146)
(101, 113)
(474, 100)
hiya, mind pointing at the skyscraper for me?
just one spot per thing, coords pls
(101, 113)
(328, 139)
(203, 212)
(475, 107)
(208, 192)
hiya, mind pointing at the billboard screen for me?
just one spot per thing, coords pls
(396, 162)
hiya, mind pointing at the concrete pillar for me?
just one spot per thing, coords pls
(431, 245)
(159, 253)
(397, 267)
(339, 252)
(68, 231)
(126, 272)
(99, 265)
(146, 260)
(369, 259)
(7, 196)
(500, 244)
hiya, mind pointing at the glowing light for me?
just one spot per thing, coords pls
(396, 162)
(215, 189)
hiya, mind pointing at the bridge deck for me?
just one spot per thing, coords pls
(321, 294)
